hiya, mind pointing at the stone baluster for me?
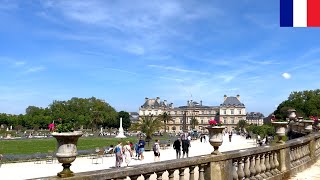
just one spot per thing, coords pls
(268, 166)
(181, 173)
(234, 170)
(191, 172)
(252, 168)
(295, 156)
(148, 176)
(247, 167)
(201, 171)
(304, 154)
(263, 166)
(276, 162)
(293, 160)
(134, 177)
(299, 154)
(159, 175)
(258, 168)
(272, 166)
(171, 174)
(308, 153)
(240, 169)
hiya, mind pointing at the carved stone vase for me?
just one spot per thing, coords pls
(216, 137)
(308, 125)
(280, 130)
(66, 150)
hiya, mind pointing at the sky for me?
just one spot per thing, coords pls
(123, 51)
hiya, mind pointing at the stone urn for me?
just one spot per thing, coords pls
(292, 114)
(308, 125)
(66, 150)
(216, 137)
(280, 130)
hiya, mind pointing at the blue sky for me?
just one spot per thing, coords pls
(124, 51)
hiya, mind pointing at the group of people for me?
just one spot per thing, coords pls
(184, 144)
(126, 152)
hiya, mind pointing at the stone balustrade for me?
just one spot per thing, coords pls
(278, 161)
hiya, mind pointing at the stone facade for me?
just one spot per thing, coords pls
(255, 118)
(231, 111)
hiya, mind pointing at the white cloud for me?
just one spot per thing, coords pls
(177, 69)
(34, 69)
(286, 75)
(135, 49)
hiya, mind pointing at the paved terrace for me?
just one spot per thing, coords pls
(29, 170)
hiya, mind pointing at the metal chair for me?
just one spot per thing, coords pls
(49, 157)
(99, 155)
(38, 158)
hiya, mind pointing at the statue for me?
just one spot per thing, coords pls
(121, 134)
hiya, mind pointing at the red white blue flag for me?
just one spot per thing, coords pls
(300, 13)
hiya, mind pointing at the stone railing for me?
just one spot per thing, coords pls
(278, 161)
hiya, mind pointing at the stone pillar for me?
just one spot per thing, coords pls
(219, 170)
(284, 159)
(312, 147)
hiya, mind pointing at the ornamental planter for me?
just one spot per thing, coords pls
(216, 137)
(308, 125)
(66, 150)
(280, 130)
(292, 114)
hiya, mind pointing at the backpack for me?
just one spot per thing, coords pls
(117, 149)
(154, 148)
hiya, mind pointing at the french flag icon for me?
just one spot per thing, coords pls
(299, 13)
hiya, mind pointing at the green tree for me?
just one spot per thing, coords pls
(242, 124)
(165, 118)
(148, 125)
(194, 122)
(126, 123)
(306, 103)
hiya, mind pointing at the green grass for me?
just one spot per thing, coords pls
(32, 146)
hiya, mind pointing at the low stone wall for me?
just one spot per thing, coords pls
(279, 161)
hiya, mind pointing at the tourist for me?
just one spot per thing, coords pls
(156, 150)
(127, 153)
(177, 147)
(185, 148)
(189, 138)
(204, 139)
(230, 136)
(136, 148)
(201, 138)
(118, 152)
(141, 147)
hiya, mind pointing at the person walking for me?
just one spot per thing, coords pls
(156, 150)
(136, 148)
(118, 152)
(204, 139)
(177, 147)
(127, 153)
(230, 136)
(141, 147)
(185, 148)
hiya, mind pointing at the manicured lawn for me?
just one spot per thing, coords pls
(32, 146)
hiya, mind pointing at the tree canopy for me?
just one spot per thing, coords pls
(86, 112)
(306, 103)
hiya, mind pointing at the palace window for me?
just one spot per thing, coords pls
(232, 120)
(239, 111)
(224, 111)
(232, 111)
(224, 121)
